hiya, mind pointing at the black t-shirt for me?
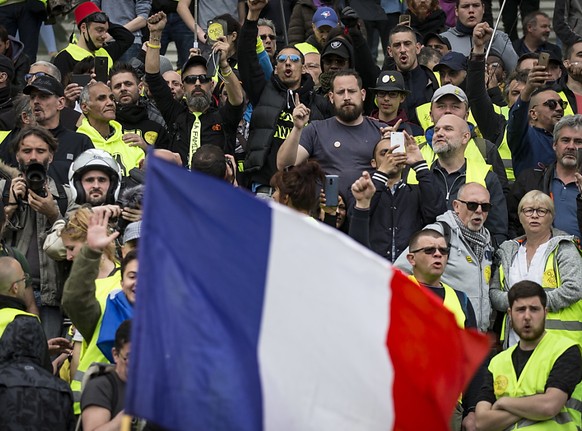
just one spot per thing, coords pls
(565, 374)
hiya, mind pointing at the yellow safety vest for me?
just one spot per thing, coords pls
(79, 54)
(425, 120)
(7, 315)
(90, 353)
(568, 110)
(477, 169)
(567, 321)
(532, 381)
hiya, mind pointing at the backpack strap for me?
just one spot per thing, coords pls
(446, 232)
(62, 199)
(482, 146)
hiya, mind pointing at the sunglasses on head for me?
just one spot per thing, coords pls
(553, 104)
(269, 36)
(191, 79)
(472, 206)
(294, 58)
(432, 250)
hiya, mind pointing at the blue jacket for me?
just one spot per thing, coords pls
(529, 145)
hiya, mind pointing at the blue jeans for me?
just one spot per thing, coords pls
(176, 31)
(26, 19)
(131, 52)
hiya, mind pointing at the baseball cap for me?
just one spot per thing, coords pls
(7, 66)
(453, 60)
(132, 231)
(45, 84)
(336, 47)
(450, 89)
(390, 80)
(325, 16)
(195, 60)
(443, 39)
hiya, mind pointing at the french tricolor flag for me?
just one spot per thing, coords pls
(251, 317)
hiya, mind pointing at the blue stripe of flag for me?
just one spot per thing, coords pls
(203, 264)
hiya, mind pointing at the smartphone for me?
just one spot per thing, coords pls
(81, 80)
(579, 161)
(397, 138)
(331, 190)
(544, 59)
(101, 69)
(404, 18)
(216, 28)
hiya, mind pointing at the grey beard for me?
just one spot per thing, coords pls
(198, 103)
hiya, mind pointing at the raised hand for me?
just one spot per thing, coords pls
(98, 232)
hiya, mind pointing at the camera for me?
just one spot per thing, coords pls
(35, 177)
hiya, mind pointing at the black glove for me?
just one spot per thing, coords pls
(349, 17)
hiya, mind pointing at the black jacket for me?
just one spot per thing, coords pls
(31, 397)
(393, 218)
(218, 125)
(135, 119)
(273, 104)
(433, 23)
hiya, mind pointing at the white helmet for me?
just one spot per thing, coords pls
(98, 160)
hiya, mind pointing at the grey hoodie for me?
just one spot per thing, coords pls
(462, 272)
(569, 264)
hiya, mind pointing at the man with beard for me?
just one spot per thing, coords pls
(94, 28)
(98, 106)
(535, 383)
(531, 122)
(342, 144)
(47, 102)
(200, 121)
(471, 249)
(557, 180)
(132, 110)
(31, 213)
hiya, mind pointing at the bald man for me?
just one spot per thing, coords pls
(531, 122)
(174, 81)
(453, 169)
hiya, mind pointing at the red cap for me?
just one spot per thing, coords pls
(84, 10)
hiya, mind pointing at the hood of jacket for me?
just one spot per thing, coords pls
(96, 137)
(16, 48)
(304, 91)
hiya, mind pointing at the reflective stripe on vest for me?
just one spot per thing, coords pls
(567, 321)
(79, 54)
(7, 315)
(90, 353)
(476, 171)
(532, 380)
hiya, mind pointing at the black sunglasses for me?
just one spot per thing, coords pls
(29, 76)
(270, 36)
(191, 79)
(432, 250)
(472, 206)
(553, 104)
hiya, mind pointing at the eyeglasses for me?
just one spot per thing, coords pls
(432, 250)
(472, 206)
(294, 58)
(553, 104)
(269, 36)
(191, 79)
(29, 76)
(26, 279)
(390, 94)
(541, 212)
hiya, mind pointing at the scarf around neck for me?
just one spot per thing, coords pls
(477, 240)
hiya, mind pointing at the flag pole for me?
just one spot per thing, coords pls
(284, 23)
(495, 29)
(195, 44)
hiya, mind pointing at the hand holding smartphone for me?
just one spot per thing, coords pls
(544, 59)
(397, 138)
(331, 190)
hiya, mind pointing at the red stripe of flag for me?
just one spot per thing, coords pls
(433, 358)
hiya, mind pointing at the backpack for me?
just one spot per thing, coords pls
(95, 370)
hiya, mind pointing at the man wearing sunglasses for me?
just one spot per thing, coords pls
(531, 122)
(200, 121)
(268, 35)
(273, 99)
(428, 256)
(471, 255)
(94, 29)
